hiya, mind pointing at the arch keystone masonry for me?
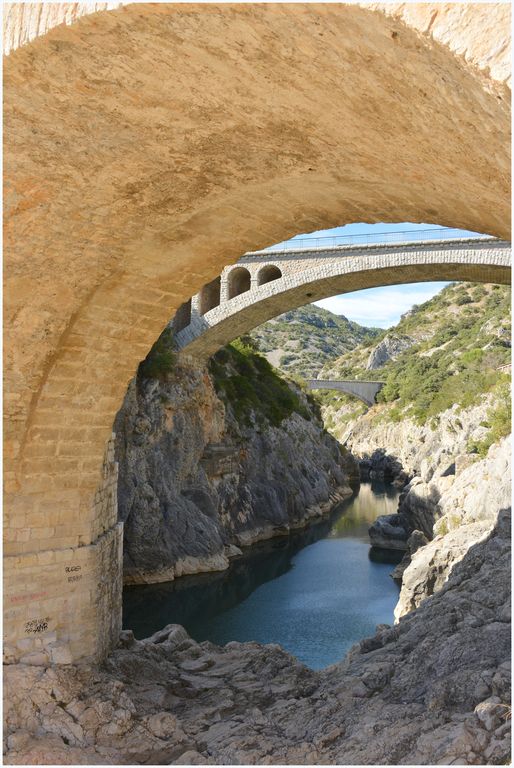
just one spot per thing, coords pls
(147, 147)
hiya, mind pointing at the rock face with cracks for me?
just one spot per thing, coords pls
(400, 697)
(388, 349)
(195, 483)
(466, 513)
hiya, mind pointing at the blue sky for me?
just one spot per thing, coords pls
(380, 307)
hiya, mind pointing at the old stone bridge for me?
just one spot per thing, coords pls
(264, 284)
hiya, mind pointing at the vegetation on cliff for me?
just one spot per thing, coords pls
(302, 340)
(243, 378)
(252, 388)
(160, 360)
(460, 342)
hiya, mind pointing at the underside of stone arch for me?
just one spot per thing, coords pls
(146, 147)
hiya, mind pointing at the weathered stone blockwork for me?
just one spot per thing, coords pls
(64, 602)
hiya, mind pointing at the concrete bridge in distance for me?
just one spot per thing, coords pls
(264, 284)
(366, 391)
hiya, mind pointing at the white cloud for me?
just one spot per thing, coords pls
(380, 306)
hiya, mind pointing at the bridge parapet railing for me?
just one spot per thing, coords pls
(398, 237)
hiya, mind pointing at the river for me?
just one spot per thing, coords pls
(316, 592)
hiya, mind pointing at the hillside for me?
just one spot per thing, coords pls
(303, 340)
(446, 352)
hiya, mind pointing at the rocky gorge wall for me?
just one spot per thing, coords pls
(451, 498)
(421, 450)
(424, 460)
(466, 512)
(195, 484)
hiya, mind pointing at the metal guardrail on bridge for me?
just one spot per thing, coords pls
(375, 238)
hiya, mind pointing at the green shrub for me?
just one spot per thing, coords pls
(250, 386)
(478, 293)
(160, 361)
(499, 422)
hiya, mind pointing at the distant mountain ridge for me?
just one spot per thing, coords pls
(303, 340)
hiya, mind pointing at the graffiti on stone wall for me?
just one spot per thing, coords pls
(35, 626)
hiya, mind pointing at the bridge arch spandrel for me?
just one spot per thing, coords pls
(123, 198)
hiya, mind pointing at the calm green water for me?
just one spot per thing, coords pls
(315, 592)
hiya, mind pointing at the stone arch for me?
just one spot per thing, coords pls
(106, 237)
(315, 276)
(239, 281)
(210, 296)
(268, 273)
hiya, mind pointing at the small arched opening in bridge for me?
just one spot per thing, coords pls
(268, 273)
(239, 281)
(210, 296)
(182, 317)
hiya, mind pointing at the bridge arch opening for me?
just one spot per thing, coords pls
(210, 296)
(268, 273)
(239, 281)
(94, 272)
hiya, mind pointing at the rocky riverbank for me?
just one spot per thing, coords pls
(426, 462)
(201, 475)
(465, 513)
(433, 689)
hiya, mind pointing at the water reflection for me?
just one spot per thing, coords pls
(315, 591)
(149, 607)
(357, 513)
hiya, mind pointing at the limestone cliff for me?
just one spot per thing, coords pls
(201, 474)
(467, 511)
(428, 462)
(387, 349)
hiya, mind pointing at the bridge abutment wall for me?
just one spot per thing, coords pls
(63, 603)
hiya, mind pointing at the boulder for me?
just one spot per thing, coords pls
(388, 532)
